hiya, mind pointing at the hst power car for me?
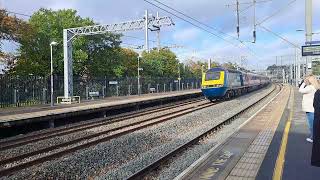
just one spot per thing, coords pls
(223, 83)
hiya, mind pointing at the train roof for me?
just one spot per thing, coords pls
(219, 68)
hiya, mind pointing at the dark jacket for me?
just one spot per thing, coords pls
(315, 158)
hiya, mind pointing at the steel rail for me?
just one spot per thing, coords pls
(155, 120)
(92, 124)
(144, 171)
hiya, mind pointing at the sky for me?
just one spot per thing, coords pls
(197, 42)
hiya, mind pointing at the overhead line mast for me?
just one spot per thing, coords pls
(254, 22)
(238, 20)
(251, 4)
(195, 23)
(69, 34)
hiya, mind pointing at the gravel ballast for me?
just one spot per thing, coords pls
(119, 158)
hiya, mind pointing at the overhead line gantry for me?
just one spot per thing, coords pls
(145, 23)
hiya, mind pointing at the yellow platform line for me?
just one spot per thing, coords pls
(278, 169)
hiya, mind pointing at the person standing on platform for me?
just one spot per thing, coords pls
(315, 157)
(307, 89)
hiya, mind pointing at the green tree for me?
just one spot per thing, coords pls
(230, 65)
(46, 26)
(11, 27)
(196, 67)
(104, 56)
(160, 64)
(129, 62)
(185, 71)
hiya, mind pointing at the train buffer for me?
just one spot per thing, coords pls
(272, 145)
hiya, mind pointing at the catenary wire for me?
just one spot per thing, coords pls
(252, 52)
(279, 36)
(275, 13)
(221, 32)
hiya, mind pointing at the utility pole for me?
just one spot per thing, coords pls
(179, 79)
(238, 20)
(146, 16)
(295, 66)
(277, 68)
(282, 69)
(308, 14)
(308, 20)
(291, 76)
(158, 34)
(253, 4)
(298, 68)
(51, 72)
(138, 75)
(254, 22)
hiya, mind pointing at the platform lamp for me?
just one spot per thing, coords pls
(139, 69)
(53, 43)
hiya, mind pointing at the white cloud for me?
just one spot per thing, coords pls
(186, 35)
(213, 13)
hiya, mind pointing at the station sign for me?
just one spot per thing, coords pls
(312, 42)
(311, 50)
(113, 82)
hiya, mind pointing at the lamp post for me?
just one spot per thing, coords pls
(51, 72)
(179, 79)
(139, 69)
(306, 58)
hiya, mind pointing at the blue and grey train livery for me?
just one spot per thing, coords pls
(219, 83)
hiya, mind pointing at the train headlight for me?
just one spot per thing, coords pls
(212, 86)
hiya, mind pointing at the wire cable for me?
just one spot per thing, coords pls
(189, 22)
(275, 13)
(216, 29)
(253, 53)
(163, 45)
(16, 13)
(279, 36)
(274, 33)
(246, 8)
(208, 26)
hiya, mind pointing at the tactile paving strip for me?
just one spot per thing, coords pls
(249, 164)
(240, 157)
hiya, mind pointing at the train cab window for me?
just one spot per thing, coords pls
(212, 75)
(239, 77)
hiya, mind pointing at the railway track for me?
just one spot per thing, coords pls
(163, 161)
(13, 164)
(32, 138)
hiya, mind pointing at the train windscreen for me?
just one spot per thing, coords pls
(212, 76)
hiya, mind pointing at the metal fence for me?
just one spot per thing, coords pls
(30, 90)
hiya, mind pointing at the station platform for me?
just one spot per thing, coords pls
(270, 145)
(24, 115)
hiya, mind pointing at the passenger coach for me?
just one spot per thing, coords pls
(223, 83)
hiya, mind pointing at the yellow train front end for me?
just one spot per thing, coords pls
(214, 83)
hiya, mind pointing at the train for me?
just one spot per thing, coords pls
(223, 83)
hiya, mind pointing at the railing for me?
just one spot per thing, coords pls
(31, 90)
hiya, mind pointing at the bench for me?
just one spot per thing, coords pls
(152, 90)
(69, 100)
(94, 94)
